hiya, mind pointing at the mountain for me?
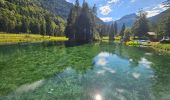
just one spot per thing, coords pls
(28, 16)
(57, 7)
(128, 20)
(155, 19)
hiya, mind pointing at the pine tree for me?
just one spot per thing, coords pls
(70, 30)
(81, 23)
(25, 25)
(43, 27)
(126, 36)
(115, 28)
(140, 27)
(111, 33)
(122, 31)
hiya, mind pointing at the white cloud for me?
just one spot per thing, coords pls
(105, 10)
(69, 1)
(113, 1)
(107, 19)
(155, 10)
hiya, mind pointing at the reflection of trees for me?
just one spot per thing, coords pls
(161, 66)
(127, 52)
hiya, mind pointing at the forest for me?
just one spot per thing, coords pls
(27, 16)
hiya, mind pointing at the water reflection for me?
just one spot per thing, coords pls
(30, 87)
(118, 72)
(98, 97)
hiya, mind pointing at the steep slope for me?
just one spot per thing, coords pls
(128, 20)
(57, 7)
(155, 19)
(27, 16)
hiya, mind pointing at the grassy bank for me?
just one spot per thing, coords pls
(17, 38)
(164, 48)
(160, 47)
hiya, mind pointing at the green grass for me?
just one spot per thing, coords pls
(161, 47)
(165, 48)
(16, 38)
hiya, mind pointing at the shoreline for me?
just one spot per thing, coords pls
(12, 38)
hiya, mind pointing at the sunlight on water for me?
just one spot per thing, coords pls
(98, 97)
(145, 62)
(148, 54)
(109, 70)
(136, 75)
(102, 59)
(30, 87)
(101, 72)
(101, 62)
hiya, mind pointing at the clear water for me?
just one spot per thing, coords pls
(96, 71)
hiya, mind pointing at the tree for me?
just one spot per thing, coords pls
(164, 25)
(140, 27)
(25, 25)
(43, 27)
(122, 31)
(111, 33)
(115, 28)
(126, 36)
(77, 4)
(70, 30)
(28, 16)
(81, 23)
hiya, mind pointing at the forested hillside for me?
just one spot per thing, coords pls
(57, 7)
(28, 16)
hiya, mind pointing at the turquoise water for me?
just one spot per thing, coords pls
(96, 71)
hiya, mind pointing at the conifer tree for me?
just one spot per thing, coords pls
(122, 31)
(140, 27)
(111, 33)
(115, 28)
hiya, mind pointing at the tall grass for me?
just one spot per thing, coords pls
(16, 38)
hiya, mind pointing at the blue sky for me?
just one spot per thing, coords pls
(109, 10)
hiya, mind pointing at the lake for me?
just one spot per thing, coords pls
(94, 71)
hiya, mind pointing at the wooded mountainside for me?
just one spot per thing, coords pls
(29, 16)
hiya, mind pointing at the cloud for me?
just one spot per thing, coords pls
(107, 19)
(71, 1)
(105, 10)
(113, 1)
(155, 10)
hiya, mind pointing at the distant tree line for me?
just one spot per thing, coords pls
(27, 16)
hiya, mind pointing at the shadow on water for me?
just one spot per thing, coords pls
(95, 71)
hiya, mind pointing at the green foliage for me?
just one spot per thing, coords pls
(126, 36)
(164, 24)
(57, 7)
(122, 31)
(81, 23)
(28, 16)
(140, 27)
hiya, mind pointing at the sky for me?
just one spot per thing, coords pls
(110, 10)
